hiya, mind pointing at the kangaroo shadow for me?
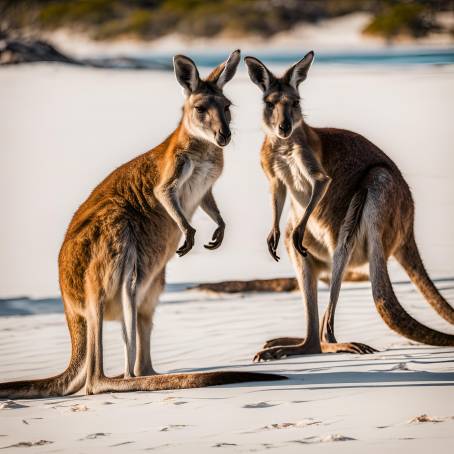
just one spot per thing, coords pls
(354, 380)
(300, 377)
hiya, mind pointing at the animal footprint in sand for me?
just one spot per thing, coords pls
(172, 427)
(426, 418)
(95, 436)
(288, 425)
(78, 407)
(262, 405)
(121, 444)
(28, 444)
(27, 421)
(174, 401)
(11, 405)
(326, 439)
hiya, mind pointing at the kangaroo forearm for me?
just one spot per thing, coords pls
(318, 191)
(278, 195)
(315, 174)
(211, 209)
(168, 199)
(167, 191)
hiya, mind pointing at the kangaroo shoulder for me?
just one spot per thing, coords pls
(267, 157)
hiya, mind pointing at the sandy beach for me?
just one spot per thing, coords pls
(342, 403)
(63, 129)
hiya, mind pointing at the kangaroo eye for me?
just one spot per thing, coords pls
(296, 103)
(269, 105)
(200, 109)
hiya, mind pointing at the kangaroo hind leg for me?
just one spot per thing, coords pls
(145, 314)
(306, 273)
(346, 242)
(94, 361)
(129, 320)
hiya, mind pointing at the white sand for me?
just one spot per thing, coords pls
(369, 398)
(62, 129)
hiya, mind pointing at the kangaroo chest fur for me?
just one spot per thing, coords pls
(200, 174)
(290, 169)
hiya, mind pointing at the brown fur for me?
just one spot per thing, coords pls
(364, 214)
(112, 261)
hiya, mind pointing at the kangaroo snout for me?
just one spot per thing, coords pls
(223, 137)
(285, 128)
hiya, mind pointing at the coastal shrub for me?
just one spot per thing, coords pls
(143, 24)
(405, 19)
(93, 12)
(148, 19)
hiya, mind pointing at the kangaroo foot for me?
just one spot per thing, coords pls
(283, 351)
(283, 341)
(347, 347)
(330, 345)
(145, 371)
(138, 373)
(273, 353)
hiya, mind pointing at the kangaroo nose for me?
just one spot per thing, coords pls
(285, 127)
(223, 138)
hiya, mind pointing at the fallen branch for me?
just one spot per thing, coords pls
(286, 284)
(283, 284)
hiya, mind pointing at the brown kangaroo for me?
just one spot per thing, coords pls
(112, 261)
(350, 205)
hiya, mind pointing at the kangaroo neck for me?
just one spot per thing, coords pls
(185, 141)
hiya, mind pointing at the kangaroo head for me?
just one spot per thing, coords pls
(206, 112)
(282, 110)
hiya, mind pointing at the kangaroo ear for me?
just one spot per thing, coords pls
(186, 73)
(259, 73)
(225, 71)
(298, 72)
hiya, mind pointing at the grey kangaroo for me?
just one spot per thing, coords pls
(350, 206)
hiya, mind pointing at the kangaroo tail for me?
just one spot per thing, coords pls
(181, 381)
(389, 307)
(73, 378)
(408, 256)
(68, 382)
